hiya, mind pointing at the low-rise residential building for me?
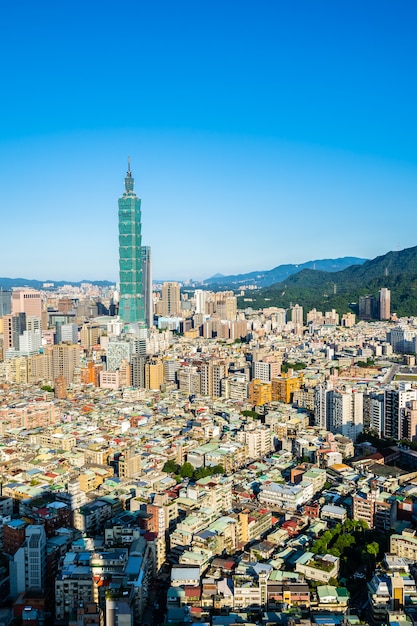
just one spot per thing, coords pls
(318, 567)
(405, 544)
(285, 496)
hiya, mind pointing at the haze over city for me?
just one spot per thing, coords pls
(258, 135)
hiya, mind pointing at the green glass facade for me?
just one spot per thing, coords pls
(132, 304)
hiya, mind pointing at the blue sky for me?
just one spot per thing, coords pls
(259, 133)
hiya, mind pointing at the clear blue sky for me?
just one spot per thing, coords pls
(260, 133)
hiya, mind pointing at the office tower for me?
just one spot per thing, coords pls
(384, 302)
(117, 352)
(33, 323)
(13, 327)
(366, 307)
(90, 334)
(171, 299)
(86, 309)
(132, 305)
(30, 342)
(5, 302)
(27, 301)
(65, 305)
(147, 284)
(69, 333)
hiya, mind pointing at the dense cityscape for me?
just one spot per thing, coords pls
(171, 455)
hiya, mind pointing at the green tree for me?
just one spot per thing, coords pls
(170, 467)
(200, 472)
(298, 365)
(253, 414)
(372, 549)
(186, 470)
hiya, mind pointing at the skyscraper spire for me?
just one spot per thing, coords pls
(132, 304)
(129, 180)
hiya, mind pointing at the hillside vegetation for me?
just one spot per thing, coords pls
(341, 290)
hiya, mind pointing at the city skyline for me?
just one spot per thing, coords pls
(259, 137)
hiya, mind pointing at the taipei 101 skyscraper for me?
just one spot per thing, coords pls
(132, 302)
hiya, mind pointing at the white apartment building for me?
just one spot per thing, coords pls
(286, 496)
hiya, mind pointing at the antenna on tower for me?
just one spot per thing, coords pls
(128, 163)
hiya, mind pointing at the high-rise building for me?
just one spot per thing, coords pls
(5, 302)
(154, 374)
(384, 302)
(27, 301)
(340, 411)
(346, 416)
(90, 334)
(227, 308)
(27, 570)
(65, 359)
(69, 333)
(30, 342)
(366, 307)
(212, 373)
(171, 299)
(137, 371)
(398, 423)
(132, 302)
(297, 315)
(147, 284)
(200, 301)
(117, 351)
(13, 327)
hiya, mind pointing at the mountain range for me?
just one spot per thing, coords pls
(341, 290)
(265, 278)
(262, 278)
(8, 283)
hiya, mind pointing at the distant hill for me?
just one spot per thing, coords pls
(265, 278)
(341, 290)
(8, 283)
